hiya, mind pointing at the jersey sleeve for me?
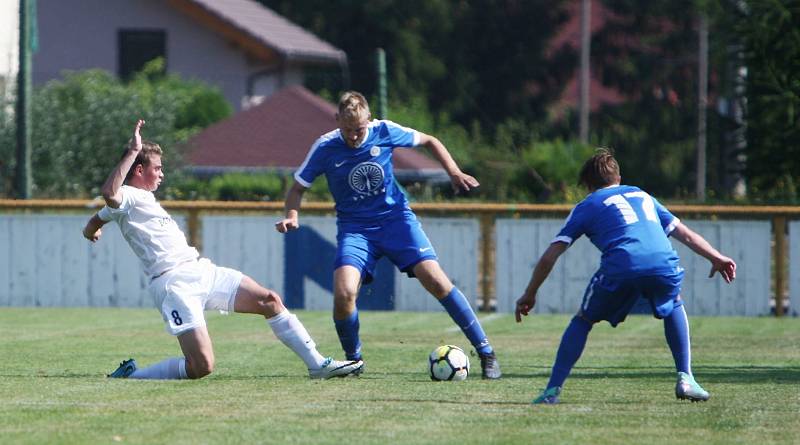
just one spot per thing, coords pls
(395, 135)
(666, 218)
(128, 200)
(311, 167)
(573, 226)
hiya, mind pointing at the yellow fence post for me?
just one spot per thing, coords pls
(487, 259)
(779, 230)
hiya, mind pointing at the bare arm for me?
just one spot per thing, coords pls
(111, 188)
(460, 180)
(92, 231)
(719, 262)
(540, 273)
(293, 199)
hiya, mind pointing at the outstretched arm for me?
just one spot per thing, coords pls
(92, 231)
(460, 180)
(540, 273)
(719, 262)
(111, 188)
(293, 199)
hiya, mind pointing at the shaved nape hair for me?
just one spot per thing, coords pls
(601, 170)
(149, 149)
(353, 106)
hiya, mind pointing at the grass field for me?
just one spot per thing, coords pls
(53, 389)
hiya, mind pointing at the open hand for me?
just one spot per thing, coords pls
(137, 136)
(462, 181)
(726, 268)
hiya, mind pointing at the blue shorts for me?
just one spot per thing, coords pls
(400, 238)
(611, 299)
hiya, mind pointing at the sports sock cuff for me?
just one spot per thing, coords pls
(182, 369)
(347, 320)
(280, 316)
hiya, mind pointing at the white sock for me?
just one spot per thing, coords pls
(169, 369)
(293, 334)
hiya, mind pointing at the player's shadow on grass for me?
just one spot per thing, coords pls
(439, 401)
(709, 374)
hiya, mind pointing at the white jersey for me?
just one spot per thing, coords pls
(152, 234)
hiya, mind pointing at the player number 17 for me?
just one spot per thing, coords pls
(625, 206)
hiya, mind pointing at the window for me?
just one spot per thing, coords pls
(137, 47)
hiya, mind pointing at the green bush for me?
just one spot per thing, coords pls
(245, 187)
(82, 122)
(239, 187)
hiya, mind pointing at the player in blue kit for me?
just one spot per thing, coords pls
(630, 228)
(374, 219)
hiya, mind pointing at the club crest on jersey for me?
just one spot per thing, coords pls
(375, 151)
(366, 179)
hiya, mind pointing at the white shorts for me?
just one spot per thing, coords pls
(183, 293)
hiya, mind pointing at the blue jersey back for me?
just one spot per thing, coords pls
(360, 179)
(629, 227)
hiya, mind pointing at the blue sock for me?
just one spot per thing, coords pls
(676, 329)
(461, 312)
(570, 350)
(348, 335)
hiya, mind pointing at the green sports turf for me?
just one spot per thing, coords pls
(53, 387)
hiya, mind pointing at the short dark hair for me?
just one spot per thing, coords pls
(149, 149)
(601, 170)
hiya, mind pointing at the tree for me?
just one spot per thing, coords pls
(650, 55)
(482, 60)
(82, 123)
(770, 31)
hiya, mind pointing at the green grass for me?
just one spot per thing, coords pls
(53, 389)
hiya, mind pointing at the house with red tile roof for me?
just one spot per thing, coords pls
(275, 136)
(240, 46)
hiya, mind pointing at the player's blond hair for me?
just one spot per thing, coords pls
(148, 151)
(601, 170)
(353, 106)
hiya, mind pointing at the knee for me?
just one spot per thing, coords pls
(433, 279)
(344, 295)
(441, 289)
(581, 318)
(199, 366)
(270, 303)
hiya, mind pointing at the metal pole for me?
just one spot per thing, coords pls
(583, 100)
(380, 67)
(702, 105)
(24, 183)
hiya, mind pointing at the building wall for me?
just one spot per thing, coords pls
(82, 34)
(44, 261)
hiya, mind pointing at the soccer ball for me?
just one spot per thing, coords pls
(448, 362)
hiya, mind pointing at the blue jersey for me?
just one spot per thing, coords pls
(629, 227)
(360, 179)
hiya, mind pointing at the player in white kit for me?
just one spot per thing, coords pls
(184, 285)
